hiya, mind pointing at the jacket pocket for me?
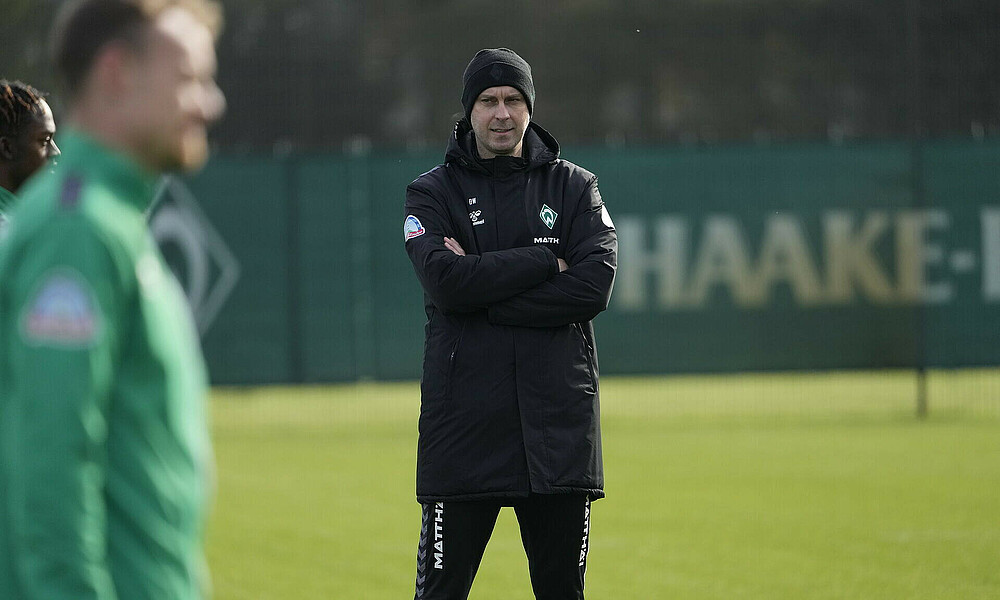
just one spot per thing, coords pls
(588, 351)
(443, 336)
(452, 355)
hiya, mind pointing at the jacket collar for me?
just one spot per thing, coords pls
(96, 162)
(539, 148)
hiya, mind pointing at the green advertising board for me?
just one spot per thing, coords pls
(730, 259)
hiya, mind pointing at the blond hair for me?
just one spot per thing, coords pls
(83, 27)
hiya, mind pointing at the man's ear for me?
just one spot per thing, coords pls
(112, 70)
(7, 148)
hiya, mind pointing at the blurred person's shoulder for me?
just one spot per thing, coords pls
(77, 206)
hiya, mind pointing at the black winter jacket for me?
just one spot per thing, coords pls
(509, 395)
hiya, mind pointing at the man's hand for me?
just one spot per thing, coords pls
(562, 265)
(453, 245)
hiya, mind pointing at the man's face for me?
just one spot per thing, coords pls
(33, 148)
(174, 97)
(499, 118)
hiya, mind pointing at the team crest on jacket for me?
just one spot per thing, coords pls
(412, 228)
(63, 312)
(548, 216)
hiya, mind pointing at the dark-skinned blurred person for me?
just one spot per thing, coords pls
(27, 139)
(105, 456)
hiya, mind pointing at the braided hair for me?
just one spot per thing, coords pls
(19, 104)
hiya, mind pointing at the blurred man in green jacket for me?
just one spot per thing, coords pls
(105, 458)
(27, 142)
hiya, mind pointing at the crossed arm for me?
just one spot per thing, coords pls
(526, 286)
(576, 293)
(453, 245)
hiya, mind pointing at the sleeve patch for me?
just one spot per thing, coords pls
(412, 228)
(606, 217)
(63, 312)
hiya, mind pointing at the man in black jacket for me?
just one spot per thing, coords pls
(516, 254)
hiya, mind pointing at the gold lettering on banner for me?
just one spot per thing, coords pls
(915, 253)
(850, 257)
(672, 262)
(785, 257)
(722, 260)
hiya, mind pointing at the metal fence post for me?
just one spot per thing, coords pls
(916, 138)
(293, 273)
(362, 296)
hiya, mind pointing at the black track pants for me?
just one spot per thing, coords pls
(555, 531)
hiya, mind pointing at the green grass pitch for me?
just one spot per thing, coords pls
(800, 487)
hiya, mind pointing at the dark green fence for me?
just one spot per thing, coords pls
(741, 258)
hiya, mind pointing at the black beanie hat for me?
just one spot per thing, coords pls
(491, 67)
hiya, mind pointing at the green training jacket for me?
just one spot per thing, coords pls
(104, 447)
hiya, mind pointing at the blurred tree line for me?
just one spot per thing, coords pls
(352, 74)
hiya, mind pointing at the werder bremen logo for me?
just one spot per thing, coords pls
(548, 216)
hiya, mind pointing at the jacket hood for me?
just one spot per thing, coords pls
(539, 148)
